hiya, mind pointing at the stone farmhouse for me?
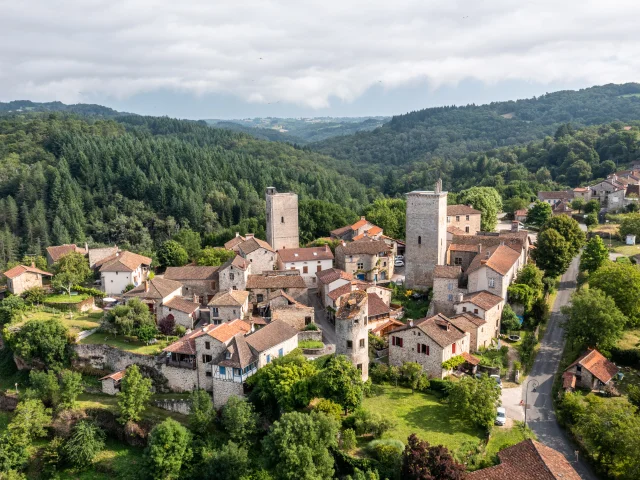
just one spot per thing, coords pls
(55, 253)
(21, 278)
(329, 280)
(429, 342)
(234, 242)
(262, 286)
(366, 259)
(124, 268)
(233, 274)
(283, 307)
(494, 270)
(361, 227)
(184, 312)
(308, 261)
(155, 293)
(229, 305)
(464, 217)
(592, 371)
(258, 253)
(198, 281)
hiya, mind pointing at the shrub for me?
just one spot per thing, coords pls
(180, 331)
(167, 325)
(440, 386)
(348, 439)
(379, 373)
(312, 327)
(310, 344)
(365, 422)
(329, 407)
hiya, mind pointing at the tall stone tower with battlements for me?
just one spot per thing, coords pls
(352, 334)
(426, 236)
(282, 219)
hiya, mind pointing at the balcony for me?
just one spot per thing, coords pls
(180, 364)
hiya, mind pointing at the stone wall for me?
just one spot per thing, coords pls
(294, 315)
(315, 335)
(223, 390)
(109, 386)
(105, 357)
(180, 379)
(445, 294)
(181, 318)
(8, 402)
(174, 405)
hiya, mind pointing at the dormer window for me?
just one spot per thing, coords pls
(227, 355)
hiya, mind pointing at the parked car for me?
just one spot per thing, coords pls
(399, 263)
(497, 379)
(399, 257)
(501, 416)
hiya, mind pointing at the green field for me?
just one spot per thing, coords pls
(64, 298)
(423, 415)
(75, 322)
(129, 344)
(117, 460)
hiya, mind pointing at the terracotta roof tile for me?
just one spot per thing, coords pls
(191, 272)
(359, 224)
(596, 363)
(182, 305)
(338, 292)
(273, 334)
(159, 288)
(376, 306)
(439, 328)
(239, 353)
(305, 254)
(447, 271)
(499, 259)
(98, 256)
(252, 244)
(275, 280)
(236, 262)
(230, 298)
(116, 376)
(125, 262)
(456, 231)
(234, 242)
(467, 322)
(332, 274)
(366, 246)
(57, 251)
(483, 299)
(470, 358)
(453, 210)
(20, 269)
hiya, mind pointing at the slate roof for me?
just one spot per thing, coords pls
(253, 244)
(596, 363)
(483, 299)
(376, 305)
(97, 256)
(124, 262)
(453, 210)
(57, 251)
(159, 288)
(528, 460)
(365, 246)
(332, 274)
(20, 269)
(271, 335)
(273, 281)
(447, 271)
(439, 328)
(182, 305)
(305, 254)
(499, 259)
(191, 272)
(229, 298)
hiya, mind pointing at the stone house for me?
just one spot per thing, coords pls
(361, 227)
(233, 274)
(245, 355)
(464, 248)
(591, 370)
(229, 305)
(111, 383)
(234, 242)
(447, 284)
(553, 198)
(21, 278)
(480, 334)
(487, 306)
(366, 259)
(200, 281)
(464, 217)
(329, 280)
(55, 253)
(126, 268)
(429, 342)
(352, 330)
(262, 286)
(308, 261)
(562, 208)
(184, 312)
(494, 270)
(258, 253)
(582, 192)
(520, 215)
(280, 306)
(461, 254)
(156, 292)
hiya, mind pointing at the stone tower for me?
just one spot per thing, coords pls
(282, 219)
(426, 236)
(352, 335)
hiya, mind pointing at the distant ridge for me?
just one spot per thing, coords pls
(18, 106)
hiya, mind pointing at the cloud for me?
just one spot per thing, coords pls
(306, 52)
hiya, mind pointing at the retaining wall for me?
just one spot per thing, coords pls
(174, 405)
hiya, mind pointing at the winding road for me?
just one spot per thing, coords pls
(541, 416)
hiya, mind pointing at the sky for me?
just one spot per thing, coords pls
(292, 58)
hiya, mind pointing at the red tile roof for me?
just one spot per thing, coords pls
(453, 210)
(438, 328)
(457, 247)
(182, 305)
(359, 224)
(391, 322)
(222, 332)
(57, 251)
(483, 299)
(596, 363)
(365, 246)
(20, 269)
(191, 272)
(234, 242)
(332, 274)
(338, 292)
(500, 259)
(116, 376)
(376, 306)
(305, 254)
(125, 262)
(470, 358)
(273, 334)
(252, 244)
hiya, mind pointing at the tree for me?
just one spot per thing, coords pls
(593, 320)
(531, 276)
(521, 294)
(14, 452)
(509, 321)
(231, 461)
(44, 387)
(552, 253)
(412, 371)
(485, 199)
(348, 439)
(202, 413)
(592, 206)
(34, 296)
(167, 325)
(300, 442)
(420, 461)
(135, 391)
(630, 225)
(46, 341)
(30, 420)
(70, 270)
(594, 255)
(591, 220)
(146, 332)
(389, 214)
(475, 400)
(172, 254)
(578, 203)
(214, 256)
(70, 388)
(342, 382)
(86, 441)
(190, 240)
(11, 309)
(168, 449)
(569, 229)
(128, 319)
(329, 407)
(622, 283)
(539, 213)
(239, 420)
(578, 173)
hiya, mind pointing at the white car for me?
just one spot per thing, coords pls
(501, 416)
(497, 379)
(399, 263)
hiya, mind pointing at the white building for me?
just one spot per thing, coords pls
(124, 269)
(308, 261)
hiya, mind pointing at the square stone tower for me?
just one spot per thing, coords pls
(426, 236)
(282, 219)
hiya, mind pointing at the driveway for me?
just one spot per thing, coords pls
(328, 330)
(540, 413)
(511, 398)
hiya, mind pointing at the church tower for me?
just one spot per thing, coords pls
(282, 219)
(426, 236)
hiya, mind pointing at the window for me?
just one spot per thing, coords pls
(360, 266)
(362, 343)
(223, 371)
(305, 269)
(206, 358)
(419, 240)
(207, 373)
(227, 355)
(234, 288)
(424, 349)
(307, 320)
(448, 219)
(457, 261)
(319, 268)
(349, 344)
(450, 286)
(237, 372)
(260, 297)
(397, 341)
(281, 219)
(215, 312)
(207, 345)
(313, 279)
(467, 218)
(234, 311)
(384, 264)
(464, 309)
(280, 352)
(268, 358)
(467, 229)
(475, 310)
(450, 297)
(359, 367)
(453, 348)
(232, 276)
(492, 283)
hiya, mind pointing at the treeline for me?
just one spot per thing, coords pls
(139, 180)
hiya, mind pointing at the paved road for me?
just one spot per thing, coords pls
(328, 330)
(540, 414)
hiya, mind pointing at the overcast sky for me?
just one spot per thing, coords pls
(239, 58)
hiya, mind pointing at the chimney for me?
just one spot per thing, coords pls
(86, 247)
(33, 264)
(362, 217)
(195, 298)
(439, 186)
(460, 297)
(515, 226)
(411, 323)
(146, 285)
(237, 234)
(479, 248)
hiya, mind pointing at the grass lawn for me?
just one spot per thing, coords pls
(128, 344)
(64, 298)
(502, 438)
(630, 339)
(117, 460)
(623, 248)
(423, 415)
(110, 402)
(310, 344)
(75, 322)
